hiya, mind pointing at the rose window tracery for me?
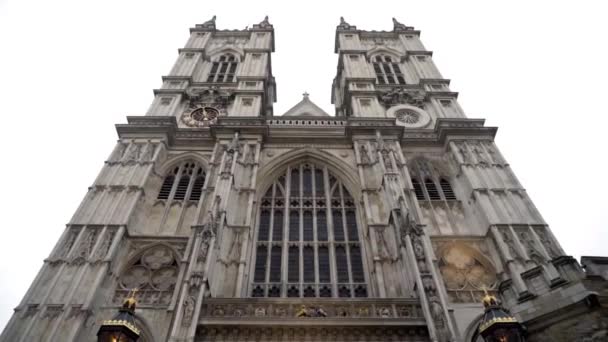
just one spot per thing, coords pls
(153, 274)
(408, 116)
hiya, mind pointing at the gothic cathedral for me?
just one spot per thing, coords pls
(388, 221)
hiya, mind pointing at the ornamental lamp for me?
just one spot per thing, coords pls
(122, 327)
(498, 325)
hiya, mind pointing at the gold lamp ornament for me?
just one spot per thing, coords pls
(122, 327)
(497, 324)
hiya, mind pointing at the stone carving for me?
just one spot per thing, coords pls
(506, 237)
(397, 96)
(311, 311)
(494, 156)
(465, 274)
(480, 154)
(407, 116)
(206, 235)
(133, 153)
(384, 312)
(105, 244)
(217, 333)
(189, 304)
(264, 24)
(260, 311)
(210, 24)
(148, 153)
(119, 152)
(85, 246)
(397, 26)
(547, 242)
(462, 149)
(206, 104)
(438, 319)
(363, 153)
(388, 163)
(345, 26)
(68, 243)
(153, 273)
(532, 250)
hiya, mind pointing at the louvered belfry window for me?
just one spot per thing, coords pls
(223, 69)
(425, 180)
(307, 239)
(387, 70)
(183, 182)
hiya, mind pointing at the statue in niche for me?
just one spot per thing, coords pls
(438, 318)
(206, 237)
(189, 303)
(363, 154)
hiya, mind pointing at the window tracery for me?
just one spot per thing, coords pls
(184, 181)
(153, 273)
(307, 238)
(427, 185)
(387, 70)
(223, 69)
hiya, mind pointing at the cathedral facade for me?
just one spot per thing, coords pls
(387, 221)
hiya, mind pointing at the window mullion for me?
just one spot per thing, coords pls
(285, 251)
(269, 242)
(347, 241)
(333, 273)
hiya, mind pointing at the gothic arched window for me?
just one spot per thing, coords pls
(223, 69)
(184, 181)
(307, 238)
(387, 70)
(425, 181)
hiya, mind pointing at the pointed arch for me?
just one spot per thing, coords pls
(318, 251)
(175, 160)
(430, 180)
(385, 50)
(222, 50)
(183, 180)
(347, 174)
(466, 272)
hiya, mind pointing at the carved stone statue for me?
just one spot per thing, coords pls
(189, 303)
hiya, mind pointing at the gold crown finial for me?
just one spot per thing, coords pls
(488, 299)
(131, 302)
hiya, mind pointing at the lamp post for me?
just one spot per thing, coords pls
(497, 324)
(122, 327)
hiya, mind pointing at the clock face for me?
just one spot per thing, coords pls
(204, 114)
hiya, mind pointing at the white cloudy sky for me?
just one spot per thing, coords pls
(70, 70)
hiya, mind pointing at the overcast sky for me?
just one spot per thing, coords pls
(70, 70)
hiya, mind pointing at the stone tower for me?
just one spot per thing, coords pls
(387, 221)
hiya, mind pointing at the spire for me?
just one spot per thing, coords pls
(209, 23)
(397, 26)
(345, 26)
(264, 24)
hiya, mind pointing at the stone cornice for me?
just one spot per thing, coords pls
(303, 129)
